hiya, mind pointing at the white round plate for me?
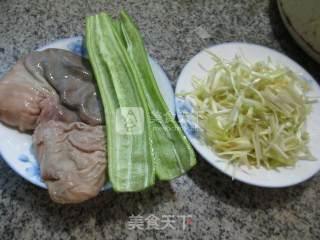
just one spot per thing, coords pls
(16, 148)
(282, 177)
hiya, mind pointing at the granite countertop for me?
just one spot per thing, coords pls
(219, 208)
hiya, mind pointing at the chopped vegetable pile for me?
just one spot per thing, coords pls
(253, 114)
(125, 80)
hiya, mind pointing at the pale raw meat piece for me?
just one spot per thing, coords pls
(72, 159)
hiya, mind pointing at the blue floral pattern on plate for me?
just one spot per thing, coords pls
(78, 47)
(187, 118)
(32, 167)
(24, 158)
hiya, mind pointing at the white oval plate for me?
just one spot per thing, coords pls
(16, 147)
(284, 176)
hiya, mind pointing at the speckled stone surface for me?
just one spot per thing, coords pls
(174, 31)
